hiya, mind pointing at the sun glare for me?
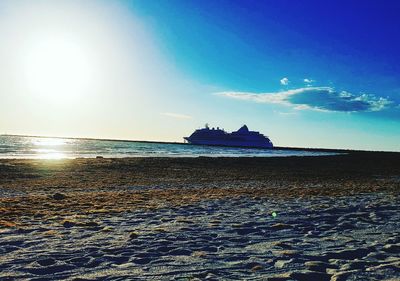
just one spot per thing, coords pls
(57, 68)
(49, 142)
(49, 148)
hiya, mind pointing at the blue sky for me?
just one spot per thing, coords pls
(305, 73)
(326, 64)
(252, 44)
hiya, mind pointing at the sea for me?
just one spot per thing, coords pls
(27, 147)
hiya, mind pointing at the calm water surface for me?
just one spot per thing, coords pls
(58, 148)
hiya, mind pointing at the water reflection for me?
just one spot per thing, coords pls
(49, 148)
(52, 155)
(49, 141)
(57, 148)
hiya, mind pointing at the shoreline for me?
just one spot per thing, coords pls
(335, 150)
(353, 166)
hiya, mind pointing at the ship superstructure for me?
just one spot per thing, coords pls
(241, 138)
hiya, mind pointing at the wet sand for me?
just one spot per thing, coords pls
(294, 218)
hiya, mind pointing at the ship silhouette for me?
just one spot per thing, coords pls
(218, 137)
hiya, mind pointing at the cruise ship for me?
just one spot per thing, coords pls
(241, 138)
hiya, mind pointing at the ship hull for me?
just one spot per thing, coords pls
(234, 143)
(240, 138)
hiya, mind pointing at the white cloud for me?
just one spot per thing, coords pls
(176, 115)
(284, 81)
(308, 81)
(316, 98)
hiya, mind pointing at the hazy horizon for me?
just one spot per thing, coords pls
(310, 74)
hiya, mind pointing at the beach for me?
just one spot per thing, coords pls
(222, 218)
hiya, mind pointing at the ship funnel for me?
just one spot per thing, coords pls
(243, 129)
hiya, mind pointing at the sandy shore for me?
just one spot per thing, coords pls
(295, 218)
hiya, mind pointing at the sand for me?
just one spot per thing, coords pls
(295, 218)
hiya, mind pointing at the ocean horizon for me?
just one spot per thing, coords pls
(44, 147)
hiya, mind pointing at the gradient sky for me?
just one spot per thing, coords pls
(305, 73)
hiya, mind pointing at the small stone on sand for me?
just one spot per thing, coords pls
(59, 196)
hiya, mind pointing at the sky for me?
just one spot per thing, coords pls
(306, 73)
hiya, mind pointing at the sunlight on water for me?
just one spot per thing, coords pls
(45, 153)
(49, 141)
(52, 155)
(49, 148)
(58, 148)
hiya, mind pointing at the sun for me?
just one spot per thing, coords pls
(57, 68)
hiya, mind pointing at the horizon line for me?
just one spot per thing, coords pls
(183, 143)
